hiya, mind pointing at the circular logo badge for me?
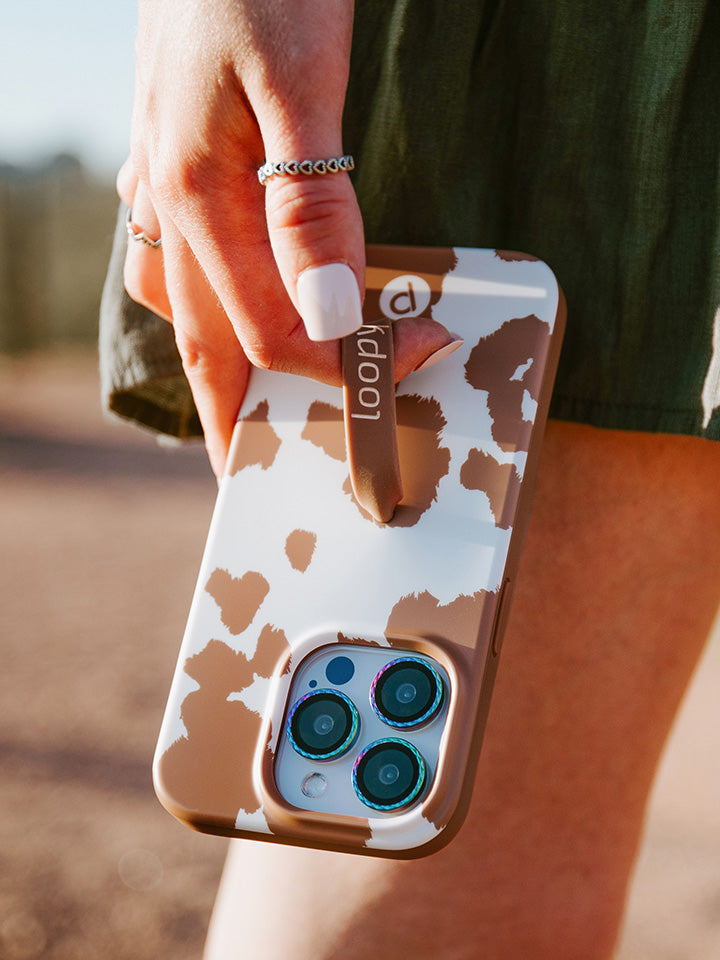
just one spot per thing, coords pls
(405, 296)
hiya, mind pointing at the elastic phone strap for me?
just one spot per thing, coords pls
(370, 424)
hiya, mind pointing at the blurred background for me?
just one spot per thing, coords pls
(102, 531)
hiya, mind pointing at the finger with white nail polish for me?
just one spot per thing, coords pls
(329, 301)
(440, 354)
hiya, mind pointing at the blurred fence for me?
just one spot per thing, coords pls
(56, 226)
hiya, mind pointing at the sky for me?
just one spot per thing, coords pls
(66, 80)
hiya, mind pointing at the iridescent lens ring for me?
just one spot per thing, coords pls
(350, 728)
(364, 788)
(415, 720)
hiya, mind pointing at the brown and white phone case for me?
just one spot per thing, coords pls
(336, 671)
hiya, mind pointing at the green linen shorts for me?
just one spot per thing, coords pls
(587, 134)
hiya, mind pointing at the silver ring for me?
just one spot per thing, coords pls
(290, 168)
(140, 235)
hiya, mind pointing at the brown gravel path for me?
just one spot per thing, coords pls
(101, 533)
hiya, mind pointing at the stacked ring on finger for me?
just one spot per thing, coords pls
(139, 235)
(291, 168)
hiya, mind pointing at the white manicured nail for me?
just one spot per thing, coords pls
(329, 301)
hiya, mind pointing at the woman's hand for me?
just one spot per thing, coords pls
(246, 272)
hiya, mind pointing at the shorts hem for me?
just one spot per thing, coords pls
(634, 417)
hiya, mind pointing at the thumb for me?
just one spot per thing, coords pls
(316, 235)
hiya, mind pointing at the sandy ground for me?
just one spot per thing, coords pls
(101, 531)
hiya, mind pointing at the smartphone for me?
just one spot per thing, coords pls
(336, 671)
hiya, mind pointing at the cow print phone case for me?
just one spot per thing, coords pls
(336, 671)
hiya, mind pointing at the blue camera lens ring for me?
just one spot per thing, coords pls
(415, 786)
(351, 726)
(416, 720)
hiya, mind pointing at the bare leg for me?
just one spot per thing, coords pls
(618, 590)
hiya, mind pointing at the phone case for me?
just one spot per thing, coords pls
(299, 581)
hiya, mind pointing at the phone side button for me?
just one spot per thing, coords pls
(501, 616)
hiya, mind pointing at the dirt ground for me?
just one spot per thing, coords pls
(102, 531)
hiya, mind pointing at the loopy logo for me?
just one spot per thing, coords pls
(405, 296)
(368, 370)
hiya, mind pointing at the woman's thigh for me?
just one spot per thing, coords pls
(618, 589)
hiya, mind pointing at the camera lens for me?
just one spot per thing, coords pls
(323, 724)
(389, 774)
(406, 692)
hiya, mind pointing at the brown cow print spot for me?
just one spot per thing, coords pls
(423, 461)
(458, 622)
(511, 256)
(272, 646)
(238, 598)
(492, 365)
(299, 547)
(258, 442)
(432, 264)
(210, 770)
(357, 641)
(500, 481)
(325, 429)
